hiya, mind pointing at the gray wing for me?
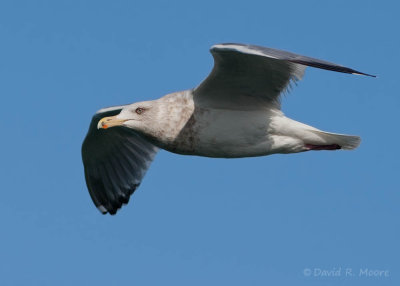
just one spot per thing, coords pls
(248, 75)
(115, 161)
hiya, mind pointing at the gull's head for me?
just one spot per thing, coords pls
(137, 116)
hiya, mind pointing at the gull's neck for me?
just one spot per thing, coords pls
(173, 114)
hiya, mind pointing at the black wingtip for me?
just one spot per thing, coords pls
(113, 207)
(366, 74)
(113, 212)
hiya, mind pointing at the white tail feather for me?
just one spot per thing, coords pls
(347, 142)
(306, 137)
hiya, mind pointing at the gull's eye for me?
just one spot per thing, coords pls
(139, 110)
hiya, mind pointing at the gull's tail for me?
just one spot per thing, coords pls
(331, 141)
(304, 137)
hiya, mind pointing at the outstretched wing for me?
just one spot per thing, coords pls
(115, 161)
(246, 75)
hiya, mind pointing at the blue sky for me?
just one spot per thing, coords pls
(196, 221)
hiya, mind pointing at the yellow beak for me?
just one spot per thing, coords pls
(111, 121)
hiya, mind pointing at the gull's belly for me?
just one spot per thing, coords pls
(226, 133)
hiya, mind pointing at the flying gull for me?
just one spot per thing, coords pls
(235, 112)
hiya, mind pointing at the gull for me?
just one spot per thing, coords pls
(235, 112)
